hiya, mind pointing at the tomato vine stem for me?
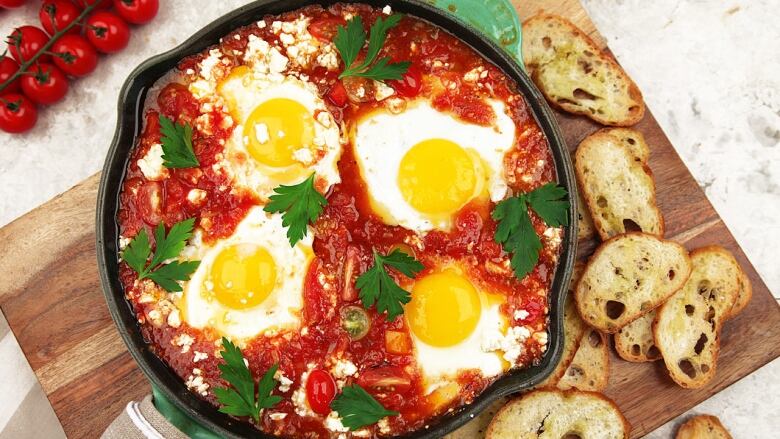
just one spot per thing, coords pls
(26, 64)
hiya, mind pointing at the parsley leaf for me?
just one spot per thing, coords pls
(167, 247)
(350, 39)
(515, 231)
(300, 205)
(357, 408)
(176, 143)
(241, 400)
(376, 285)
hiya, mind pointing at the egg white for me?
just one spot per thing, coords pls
(280, 310)
(382, 139)
(242, 94)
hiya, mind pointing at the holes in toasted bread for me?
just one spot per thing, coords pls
(705, 368)
(585, 65)
(689, 309)
(594, 339)
(633, 108)
(546, 42)
(653, 353)
(671, 274)
(581, 94)
(571, 435)
(614, 309)
(687, 368)
(601, 202)
(636, 350)
(704, 287)
(646, 305)
(710, 316)
(700, 344)
(631, 226)
(575, 370)
(630, 141)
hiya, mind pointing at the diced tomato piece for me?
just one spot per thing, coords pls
(410, 84)
(325, 28)
(387, 377)
(338, 94)
(397, 342)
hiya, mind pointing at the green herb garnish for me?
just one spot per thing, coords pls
(376, 285)
(242, 399)
(516, 232)
(350, 40)
(300, 205)
(167, 247)
(176, 143)
(357, 408)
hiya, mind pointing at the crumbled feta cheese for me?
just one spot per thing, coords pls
(327, 57)
(333, 422)
(324, 118)
(196, 196)
(277, 62)
(151, 164)
(521, 314)
(473, 75)
(512, 343)
(277, 416)
(199, 356)
(343, 368)
(208, 64)
(554, 235)
(382, 91)
(261, 24)
(276, 26)
(195, 382)
(384, 426)
(303, 155)
(286, 39)
(124, 242)
(174, 319)
(284, 382)
(387, 10)
(261, 133)
(184, 341)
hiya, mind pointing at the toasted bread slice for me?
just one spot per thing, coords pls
(589, 370)
(633, 140)
(618, 189)
(703, 427)
(687, 327)
(635, 342)
(555, 414)
(576, 76)
(628, 276)
(477, 427)
(585, 227)
(745, 294)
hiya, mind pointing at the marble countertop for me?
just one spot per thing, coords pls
(709, 70)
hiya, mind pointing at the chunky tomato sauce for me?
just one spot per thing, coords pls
(347, 232)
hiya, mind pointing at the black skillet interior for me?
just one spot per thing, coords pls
(131, 102)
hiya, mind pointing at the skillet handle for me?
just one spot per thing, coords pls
(497, 19)
(178, 418)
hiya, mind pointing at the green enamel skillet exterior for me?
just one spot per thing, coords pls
(494, 24)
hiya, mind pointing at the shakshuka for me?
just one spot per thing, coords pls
(394, 287)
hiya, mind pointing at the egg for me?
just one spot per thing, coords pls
(449, 317)
(422, 166)
(248, 283)
(284, 132)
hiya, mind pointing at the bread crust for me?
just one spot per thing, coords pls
(624, 346)
(589, 369)
(703, 427)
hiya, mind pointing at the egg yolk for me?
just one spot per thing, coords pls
(243, 276)
(276, 129)
(437, 176)
(444, 310)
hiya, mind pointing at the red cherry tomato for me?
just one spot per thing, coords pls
(137, 11)
(10, 4)
(74, 55)
(325, 28)
(30, 40)
(44, 84)
(107, 32)
(320, 391)
(103, 4)
(8, 67)
(56, 14)
(410, 84)
(17, 113)
(149, 202)
(338, 94)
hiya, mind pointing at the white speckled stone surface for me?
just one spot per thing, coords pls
(709, 69)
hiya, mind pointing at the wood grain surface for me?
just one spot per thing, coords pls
(51, 297)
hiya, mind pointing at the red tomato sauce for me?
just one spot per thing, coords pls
(348, 231)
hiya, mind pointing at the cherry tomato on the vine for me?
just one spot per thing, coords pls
(104, 4)
(44, 84)
(56, 14)
(74, 55)
(17, 113)
(25, 41)
(8, 67)
(107, 32)
(410, 84)
(137, 11)
(320, 391)
(10, 4)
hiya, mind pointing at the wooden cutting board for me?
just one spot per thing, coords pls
(51, 297)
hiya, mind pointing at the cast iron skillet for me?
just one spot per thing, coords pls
(131, 101)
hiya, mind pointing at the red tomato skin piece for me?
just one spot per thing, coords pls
(17, 113)
(137, 11)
